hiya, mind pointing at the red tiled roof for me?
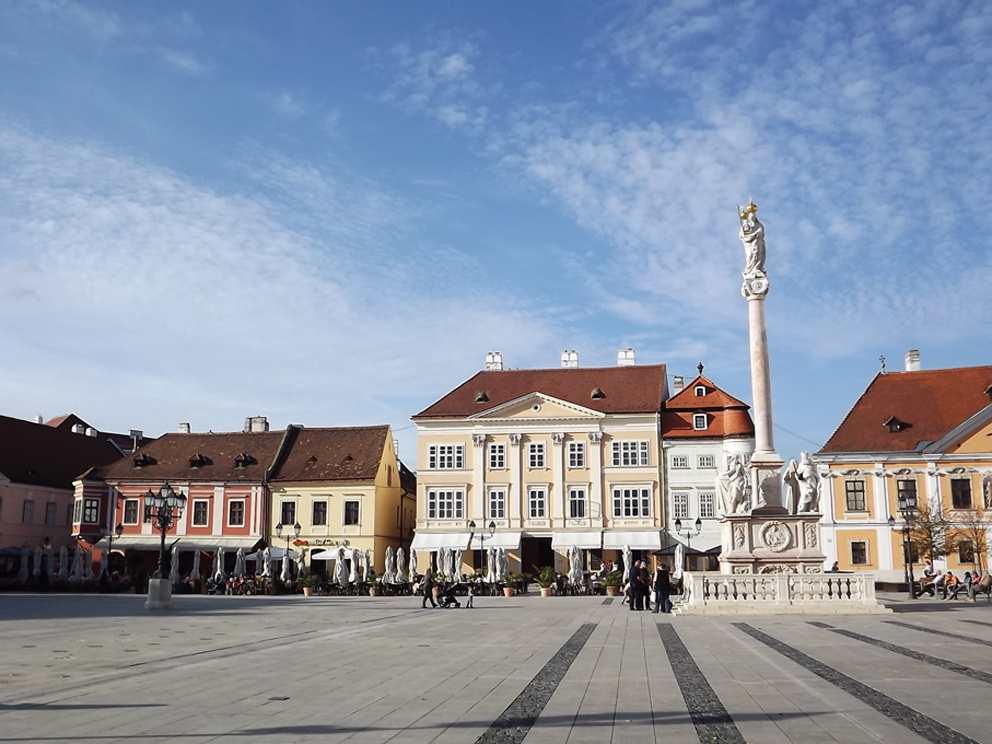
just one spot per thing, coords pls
(633, 389)
(124, 441)
(928, 404)
(728, 416)
(34, 454)
(339, 454)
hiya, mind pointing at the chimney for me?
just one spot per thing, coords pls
(78, 429)
(570, 359)
(90, 431)
(494, 361)
(913, 360)
(396, 448)
(678, 384)
(256, 423)
(39, 419)
(625, 357)
(185, 428)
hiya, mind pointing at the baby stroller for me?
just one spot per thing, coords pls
(447, 597)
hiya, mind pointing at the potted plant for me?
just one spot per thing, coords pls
(508, 589)
(309, 582)
(373, 586)
(612, 582)
(546, 578)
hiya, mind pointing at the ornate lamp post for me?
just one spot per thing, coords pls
(906, 502)
(166, 506)
(482, 536)
(118, 531)
(688, 534)
(296, 533)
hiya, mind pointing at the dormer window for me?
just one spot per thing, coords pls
(198, 460)
(141, 460)
(894, 425)
(988, 391)
(700, 421)
(597, 394)
(700, 391)
(481, 397)
(243, 460)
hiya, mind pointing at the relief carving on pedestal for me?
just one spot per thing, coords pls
(810, 528)
(742, 570)
(778, 568)
(739, 536)
(776, 536)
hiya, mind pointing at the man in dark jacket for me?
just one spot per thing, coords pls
(645, 580)
(428, 589)
(662, 586)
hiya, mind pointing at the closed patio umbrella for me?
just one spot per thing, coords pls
(76, 573)
(36, 569)
(340, 568)
(174, 568)
(389, 576)
(353, 576)
(195, 574)
(492, 565)
(456, 559)
(367, 565)
(267, 563)
(219, 573)
(239, 563)
(400, 566)
(63, 564)
(627, 560)
(575, 566)
(287, 572)
(22, 572)
(413, 566)
(88, 565)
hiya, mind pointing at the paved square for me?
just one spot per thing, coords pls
(100, 669)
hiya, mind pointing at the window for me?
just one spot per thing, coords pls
(131, 511)
(859, 553)
(537, 502)
(319, 516)
(77, 511)
(51, 512)
(855, 492)
(351, 512)
(680, 505)
(577, 503)
(497, 503)
(201, 513)
(236, 513)
(445, 504)
(27, 512)
(535, 452)
(631, 453)
(680, 461)
(91, 511)
(706, 505)
(631, 502)
(576, 454)
(497, 456)
(700, 391)
(288, 513)
(906, 489)
(445, 457)
(699, 421)
(966, 551)
(706, 461)
(960, 493)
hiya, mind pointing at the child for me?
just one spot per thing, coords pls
(471, 596)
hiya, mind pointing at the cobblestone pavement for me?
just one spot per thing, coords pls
(99, 669)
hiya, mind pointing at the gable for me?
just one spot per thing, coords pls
(538, 406)
(976, 441)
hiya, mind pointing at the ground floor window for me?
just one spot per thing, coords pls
(859, 553)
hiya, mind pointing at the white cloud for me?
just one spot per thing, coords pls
(288, 104)
(185, 61)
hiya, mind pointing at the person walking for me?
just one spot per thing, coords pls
(645, 596)
(428, 590)
(662, 587)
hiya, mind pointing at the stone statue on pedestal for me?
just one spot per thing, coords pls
(752, 235)
(732, 486)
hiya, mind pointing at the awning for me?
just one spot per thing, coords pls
(436, 540)
(331, 554)
(186, 542)
(506, 540)
(584, 540)
(670, 550)
(636, 540)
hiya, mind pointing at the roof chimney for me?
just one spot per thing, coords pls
(678, 384)
(185, 428)
(90, 431)
(570, 359)
(39, 419)
(625, 357)
(256, 423)
(494, 361)
(913, 360)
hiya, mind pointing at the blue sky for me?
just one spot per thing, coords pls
(327, 213)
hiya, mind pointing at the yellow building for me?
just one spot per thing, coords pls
(553, 458)
(343, 486)
(922, 433)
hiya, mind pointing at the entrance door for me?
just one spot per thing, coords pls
(535, 553)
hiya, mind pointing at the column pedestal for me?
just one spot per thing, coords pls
(159, 595)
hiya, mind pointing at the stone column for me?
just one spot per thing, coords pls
(515, 489)
(478, 511)
(558, 481)
(596, 477)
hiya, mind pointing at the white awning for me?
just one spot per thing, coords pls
(506, 540)
(636, 540)
(186, 542)
(584, 540)
(331, 554)
(435, 540)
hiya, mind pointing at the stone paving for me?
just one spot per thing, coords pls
(581, 670)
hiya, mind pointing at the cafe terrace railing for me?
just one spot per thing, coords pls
(785, 593)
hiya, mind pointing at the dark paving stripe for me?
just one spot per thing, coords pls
(934, 631)
(975, 622)
(929, 728)
(935, 661)
(516, 721)
(712, 721)
(608, 601)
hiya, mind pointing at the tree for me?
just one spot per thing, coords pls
(972, 526)
(928, 531)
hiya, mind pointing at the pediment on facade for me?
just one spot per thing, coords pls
(538, 406)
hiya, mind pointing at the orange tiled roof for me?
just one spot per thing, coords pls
(633, 389)
(728, 415)
(926, 405)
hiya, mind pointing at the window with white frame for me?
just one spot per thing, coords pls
(318, 515)
(131, 507)
(680, 505)
(352, 513)
(445, 503)
(631, 501)
(707, 502)
(91, 511)
(700, 421)
(201, 513)
(859, 552)
(680, 461)
(706, 461)
(960, 493)
(535, 455)
(700, 391)
(77, 511)
(445, 457)
(287, 515)
(632, 452)
(236, 513)
(576, 454)
(497, 456)
(497, 503)
(537, 503)
(577, 503)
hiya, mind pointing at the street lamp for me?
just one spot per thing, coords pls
(285, 556)
(165, 506)
(118, 531)
(482, 535)
(690, 532)
(906, 502)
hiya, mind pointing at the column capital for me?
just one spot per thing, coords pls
(515, 439)
(478, 439)
(557, 438)
(595, 437)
